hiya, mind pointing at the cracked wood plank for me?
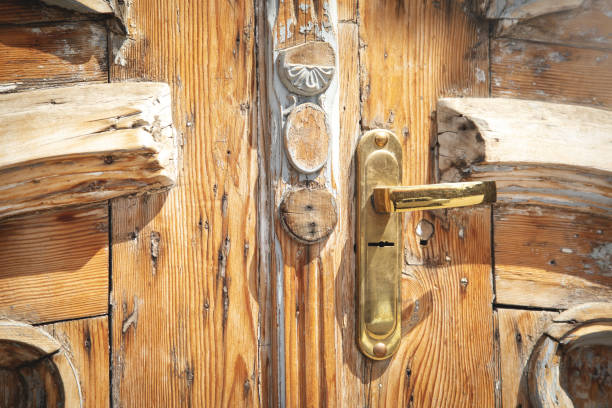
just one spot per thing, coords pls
(185, 297)
(77, 145)
(519, 331)
(85, 342)
(538, 152)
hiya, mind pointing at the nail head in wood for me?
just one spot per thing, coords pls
(308, 214)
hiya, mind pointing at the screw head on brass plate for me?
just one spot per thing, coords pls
(381, 139)
(380, 349)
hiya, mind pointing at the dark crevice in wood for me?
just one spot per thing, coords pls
(522, 307)
(37, 24)
(69, 320)
(527, 40)
(110, 300)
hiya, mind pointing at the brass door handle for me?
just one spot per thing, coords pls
(379, 247)
(432, 196)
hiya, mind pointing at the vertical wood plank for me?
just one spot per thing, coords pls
(310, 335)
(519, 330)
(86, 345)
(411, 54)
(185, 294)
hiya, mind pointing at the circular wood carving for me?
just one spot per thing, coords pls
(308, 214)
(307, 69)
(33, 364)
(307, 138)
(584, 333)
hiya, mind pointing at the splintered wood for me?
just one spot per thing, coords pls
(78, 145)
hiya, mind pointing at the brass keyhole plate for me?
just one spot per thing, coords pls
(379, 163)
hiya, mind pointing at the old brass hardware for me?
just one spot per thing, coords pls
(379, 246)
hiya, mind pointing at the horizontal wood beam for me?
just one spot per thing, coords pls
(538, 152)
(82, 144)
(83, 6)
(511, 9)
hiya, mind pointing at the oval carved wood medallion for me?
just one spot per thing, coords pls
(307, 138)
(307, 69)
(308, 214)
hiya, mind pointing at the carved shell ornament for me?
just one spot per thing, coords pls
(307, 69)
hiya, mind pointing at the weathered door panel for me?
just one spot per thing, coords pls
(237, 287)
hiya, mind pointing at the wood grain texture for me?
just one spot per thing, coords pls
(33, 11)
(51, 55)
(411, 54)
(347, 10)
(550, 72)
(82, 144)
(309, 214)
(54, 266)
(526, 9)
(307, 138)
(82, 6)
(305, 332)
(519, 331)
(564, 257)
(185, 295)
(588, 25)
(537, 152)
(85, 342)
(35, 368)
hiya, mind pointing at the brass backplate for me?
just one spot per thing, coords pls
(379, 163)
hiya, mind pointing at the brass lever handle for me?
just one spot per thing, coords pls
(379, 237)
(432, 196)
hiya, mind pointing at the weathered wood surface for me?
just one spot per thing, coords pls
(564, 257)
(519, 330)
(35, 369)
(526, 9)
(569, 365)
(303, 276)
(587, 25)
(307, 138)
(33, 11)
(54, 266)
(411, 54)
(550, 72)
(52, 55)
(309, 213)
(83, 6)
(77, 145)
(185, 327)
(85, 342)
(538, 152)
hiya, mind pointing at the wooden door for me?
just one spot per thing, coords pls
(237, 287)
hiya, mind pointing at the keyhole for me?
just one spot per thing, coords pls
(381, 244)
